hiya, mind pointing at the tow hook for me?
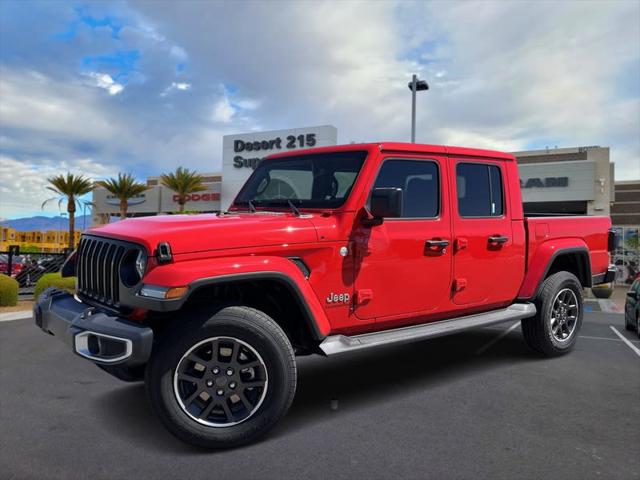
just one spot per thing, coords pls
(87, 313)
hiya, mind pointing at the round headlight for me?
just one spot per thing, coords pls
(141, 263)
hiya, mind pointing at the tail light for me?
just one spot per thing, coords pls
(611, 241)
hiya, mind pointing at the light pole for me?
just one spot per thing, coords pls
(415, 85)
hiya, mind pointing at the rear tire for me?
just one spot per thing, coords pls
(629, 326)
(225, 382)
(554, 329)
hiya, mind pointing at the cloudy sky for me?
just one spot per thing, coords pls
(97, 87)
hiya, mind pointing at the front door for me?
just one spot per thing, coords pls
(403, 266)
(487, 269)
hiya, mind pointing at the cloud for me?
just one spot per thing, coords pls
(103, 80)
(223, 111)
(178, 53)
(180, 86)
(204, 69)
(23, 185)
(35, 105)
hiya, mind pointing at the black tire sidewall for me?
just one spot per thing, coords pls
(251, 327)
(553, 285)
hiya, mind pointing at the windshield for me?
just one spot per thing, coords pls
(322, 180)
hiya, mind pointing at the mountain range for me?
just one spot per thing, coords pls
(42, 223)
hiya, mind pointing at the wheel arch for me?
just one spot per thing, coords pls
(573, 259)
(274, 293)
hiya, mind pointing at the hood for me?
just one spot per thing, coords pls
(196, 233)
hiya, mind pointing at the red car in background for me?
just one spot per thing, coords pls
(4, 265)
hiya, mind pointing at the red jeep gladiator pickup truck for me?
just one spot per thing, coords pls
(325, 250)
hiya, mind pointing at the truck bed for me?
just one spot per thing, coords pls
(547, 235)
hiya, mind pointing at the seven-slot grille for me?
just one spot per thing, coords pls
(98, 268)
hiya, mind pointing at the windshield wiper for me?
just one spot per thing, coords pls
(281, 202)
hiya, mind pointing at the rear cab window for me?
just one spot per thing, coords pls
(480, 190)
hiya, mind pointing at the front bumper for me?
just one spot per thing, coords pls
(92, 333)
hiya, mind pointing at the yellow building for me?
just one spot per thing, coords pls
(50, 241)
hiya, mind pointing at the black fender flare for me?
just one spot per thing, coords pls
(309, 317)
(581, 252)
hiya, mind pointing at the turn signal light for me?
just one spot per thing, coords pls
(162, 293)
(175, 292)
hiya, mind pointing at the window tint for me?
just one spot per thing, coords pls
(419, 182)
(479, 190)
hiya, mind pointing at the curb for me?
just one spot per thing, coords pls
(8, 317)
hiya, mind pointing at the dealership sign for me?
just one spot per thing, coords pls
(137, 200)
(288, 142)
(242, 153)
(547, 182)
(557, 181)
(198, 197)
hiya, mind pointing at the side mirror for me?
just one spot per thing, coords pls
(385, 203)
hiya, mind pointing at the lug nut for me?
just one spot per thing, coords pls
(216, 370)
(229, 371)
(209, 383)
(232, 385)
(220, 392)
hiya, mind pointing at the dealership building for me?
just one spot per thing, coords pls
(570, 181)
(240, 155)
(157, 200)
(575, 181)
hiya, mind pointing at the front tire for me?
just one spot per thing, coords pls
(225, 382)
(554, 329)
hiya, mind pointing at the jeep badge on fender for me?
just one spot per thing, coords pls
(338, 298)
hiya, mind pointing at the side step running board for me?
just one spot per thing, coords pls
(341, 343)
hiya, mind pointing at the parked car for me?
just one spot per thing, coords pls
(29, 273)
(329, 250)
(16, 265)
(632, 308)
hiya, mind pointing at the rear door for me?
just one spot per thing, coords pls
(403, 266)
(486, 271)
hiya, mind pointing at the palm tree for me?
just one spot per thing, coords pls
(70, 187)
(184, 182)
(123, 188)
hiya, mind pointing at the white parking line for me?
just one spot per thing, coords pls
(625, 340)
(493, 341)
(606, 338)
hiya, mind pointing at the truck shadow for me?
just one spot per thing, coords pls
(355, 380)
(359, 380)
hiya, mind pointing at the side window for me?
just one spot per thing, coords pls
(480, 192)
(420, 184)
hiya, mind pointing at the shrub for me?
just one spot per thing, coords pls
(8, 291)
(54, 280)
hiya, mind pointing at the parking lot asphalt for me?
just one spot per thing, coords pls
(476, 405)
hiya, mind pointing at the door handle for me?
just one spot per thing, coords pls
(499, 239)
(437, 243)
